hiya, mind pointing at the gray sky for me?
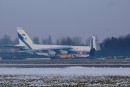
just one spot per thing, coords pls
(83, 18)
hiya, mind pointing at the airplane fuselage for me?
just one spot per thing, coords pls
(73, 48)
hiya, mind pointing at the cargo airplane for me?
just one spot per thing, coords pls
(76, 51)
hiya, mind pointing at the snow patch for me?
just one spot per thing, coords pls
(90, 71)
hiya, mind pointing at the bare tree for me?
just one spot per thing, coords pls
(36, 40)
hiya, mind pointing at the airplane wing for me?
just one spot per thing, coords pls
(15, 46)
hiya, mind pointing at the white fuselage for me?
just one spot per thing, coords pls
(73, 48)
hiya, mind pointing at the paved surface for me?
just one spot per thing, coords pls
(62, 65)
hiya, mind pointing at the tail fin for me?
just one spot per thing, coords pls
(24, 39)
(93, 43)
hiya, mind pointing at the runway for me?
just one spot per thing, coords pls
(63, 65)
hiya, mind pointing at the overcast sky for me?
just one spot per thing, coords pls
(84, 18)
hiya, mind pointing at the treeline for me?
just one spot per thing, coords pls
(61, 41)
(6, 41)
(116, 46)
(112, 46)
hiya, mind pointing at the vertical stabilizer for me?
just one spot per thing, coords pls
(24, 39)
(94, 44)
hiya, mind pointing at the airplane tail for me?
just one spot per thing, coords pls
(24, 39)
(94, 44)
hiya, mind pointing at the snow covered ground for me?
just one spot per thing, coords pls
(63, 77)
(90, 71)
